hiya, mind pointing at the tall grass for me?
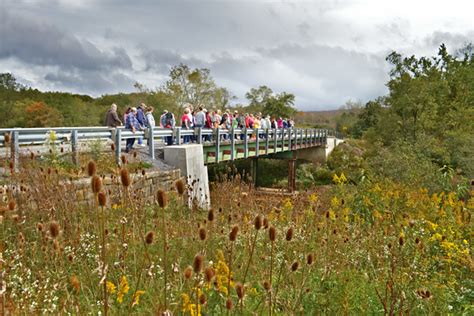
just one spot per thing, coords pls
(379, 248)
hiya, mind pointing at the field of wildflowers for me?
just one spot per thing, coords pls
(373, 248)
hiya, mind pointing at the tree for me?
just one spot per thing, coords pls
(258, 97)
(38, 114)
(262, 99)
(195, 86)
(8, 82)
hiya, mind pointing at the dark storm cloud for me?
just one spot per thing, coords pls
(323, 51)
(89, 81)
(39, 43)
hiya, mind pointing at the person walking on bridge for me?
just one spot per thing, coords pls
(133, 125)
(111, 118)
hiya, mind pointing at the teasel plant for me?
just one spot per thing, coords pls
(232, 238)
(306, 273)
(272, 237)
(258, 222)
(288, 238)
(163, 202)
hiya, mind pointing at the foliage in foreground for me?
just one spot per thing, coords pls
(379, 247)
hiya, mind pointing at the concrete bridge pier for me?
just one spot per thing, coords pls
(190, 160)
(292, 174)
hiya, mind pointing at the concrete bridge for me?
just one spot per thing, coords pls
(210, 146)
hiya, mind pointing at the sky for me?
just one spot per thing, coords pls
(325, 52)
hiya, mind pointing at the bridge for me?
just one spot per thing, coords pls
(210, 146)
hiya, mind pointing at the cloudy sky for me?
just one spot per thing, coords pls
(323, 51)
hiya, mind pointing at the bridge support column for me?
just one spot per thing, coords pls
(190, 160)
(292, 175)
(254, 171)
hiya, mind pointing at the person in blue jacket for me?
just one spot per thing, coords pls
(141, 117)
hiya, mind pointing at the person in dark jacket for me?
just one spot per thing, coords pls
(111, 118)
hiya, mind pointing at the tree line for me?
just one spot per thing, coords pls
(23, 106)
(429, 110)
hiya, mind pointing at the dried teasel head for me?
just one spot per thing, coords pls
(272, 233)
(123, 159)
(180, 186)
(96, 184)
(125, 177)
(267, 285)
(202, 299)
(258, 222)
(294, 266)
(289, 234)
(202, 233)
(209, 274)
(162, 198)
(6, 138)
(149, 237)
(401, 241)
(102, 198)
(74, 281)
(265, 223)
(188, 272)
(91, 168)
(54, 229)
(198, 262)
(210, 215)
(239, 289)
(233, 233)
(39, 227)
(310, 259)
(11, 205)
(228, 304)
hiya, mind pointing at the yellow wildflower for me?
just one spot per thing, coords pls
(313, 198)
(136, 297)
(123, 289)
(188, 307)
(335, 202)
(432, 225)
(110, 287)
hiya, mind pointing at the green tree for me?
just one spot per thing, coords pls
(195, 86)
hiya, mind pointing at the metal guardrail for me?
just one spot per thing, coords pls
(208, 137)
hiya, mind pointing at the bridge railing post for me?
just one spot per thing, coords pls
(199, 135)
(118, 145)
(288, 132)
(177, 135)
(266, 141)
(232, 144)
(218, 143)
(246, 143)
(75, 147)
(15, 150)
(151, 142)
(275, 141)
(301, 138)
(257, 142)
(305, 138)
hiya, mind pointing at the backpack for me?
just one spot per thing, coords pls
(168, 120)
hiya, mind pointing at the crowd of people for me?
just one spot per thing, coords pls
(141, 117)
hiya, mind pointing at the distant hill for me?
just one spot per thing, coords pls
(321, 119)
